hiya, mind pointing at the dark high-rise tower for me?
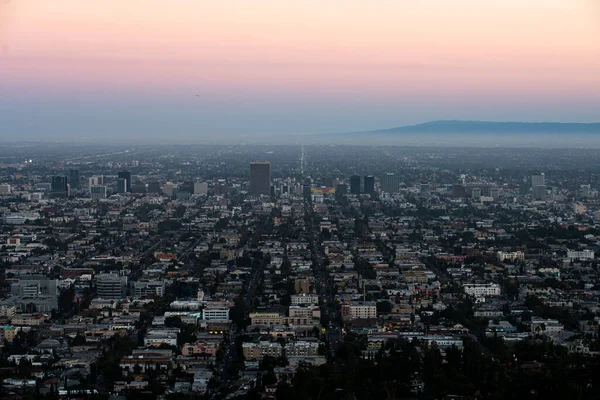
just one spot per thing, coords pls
(74, 180)
(260, 178)
(127, 176)
(390, 183)
(369, 184)
(59, 187)
(122, 185)
(355, 184)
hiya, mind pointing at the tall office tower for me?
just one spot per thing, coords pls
(260, 178)
(301, 286)
(538, 186)
(111, 286)
(539, 192)
(74, 180)
(390, 183)
(201, 188)
(476, 194)
(153, 187)
(538, 180)
(355, 184)
(98, 192)
(122, 185)
(369, 184)
(96, 180)
(425, 189)
(127, 176)
(59, 187)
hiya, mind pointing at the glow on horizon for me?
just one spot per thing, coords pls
(510, 59)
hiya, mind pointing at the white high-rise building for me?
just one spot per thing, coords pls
(201, 188)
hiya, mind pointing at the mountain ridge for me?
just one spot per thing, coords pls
(489, 127)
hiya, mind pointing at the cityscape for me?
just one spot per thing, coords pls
(297, 272)
(300, 200)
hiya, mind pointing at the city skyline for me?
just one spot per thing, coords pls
(187, 71)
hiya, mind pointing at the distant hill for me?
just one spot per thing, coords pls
(486, 127)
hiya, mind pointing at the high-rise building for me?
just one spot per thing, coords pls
(538, 180)
(200, 188)
(98, 192)
(538, 186)
(111, 286)
(74, 179)
(127, 176)
(96, 180)
(425, 189)
(260, 178)
(476, 194)
(59, 187)
(122, 185)
(539, 192)
(369, 184)
(220, 187)
(355, 184)
(390, 183)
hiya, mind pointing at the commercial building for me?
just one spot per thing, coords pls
(59, 187)
(390, 183)
(260, 178)
(148, 289)
(111, 286)
(215, 313)
(482, 289)
(98, 192)
(369, 184)
(355, 184)
(127, 176)
(122, 185)
(201, 188)
(359, 310)
(74, 179)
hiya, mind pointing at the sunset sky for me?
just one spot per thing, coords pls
(191, 69)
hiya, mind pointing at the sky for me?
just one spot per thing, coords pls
(204, 69)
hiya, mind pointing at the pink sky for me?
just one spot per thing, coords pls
(485, 53)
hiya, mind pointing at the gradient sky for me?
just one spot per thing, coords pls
(198, 69)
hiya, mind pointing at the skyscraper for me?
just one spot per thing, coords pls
(122, 185)
(538, 186)
(369, 184)
(260, 178)
(355, 184)
(74, 180)
(59, 187)
(390, 183)
(127, 176)
(538, 180)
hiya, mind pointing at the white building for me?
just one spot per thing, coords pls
(482, 289)
(213, 313)
(5, 188)
(580, 255)
(305, 299)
